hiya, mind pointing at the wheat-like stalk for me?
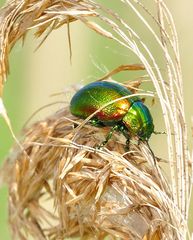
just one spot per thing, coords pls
(60, 185)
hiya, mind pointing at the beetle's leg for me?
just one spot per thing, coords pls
(109, 136)
(139, 141)
(125, 132)
(96, 123)
(127, 146)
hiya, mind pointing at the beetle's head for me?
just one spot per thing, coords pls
(145, 132)
(138, 121)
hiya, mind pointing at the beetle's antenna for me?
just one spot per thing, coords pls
(156, 133)
(151, 151)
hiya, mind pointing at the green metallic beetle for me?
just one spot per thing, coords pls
(128, 116)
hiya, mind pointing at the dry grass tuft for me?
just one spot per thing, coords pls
(65, 187)
(59, 184)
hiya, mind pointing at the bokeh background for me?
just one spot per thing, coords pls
(36, 75)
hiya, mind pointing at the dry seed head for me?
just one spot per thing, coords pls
(65, 187)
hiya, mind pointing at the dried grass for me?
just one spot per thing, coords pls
(69, 188)
(60, 185)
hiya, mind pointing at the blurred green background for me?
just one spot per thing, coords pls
(34, 76)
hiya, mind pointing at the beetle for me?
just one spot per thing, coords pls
(130, 116)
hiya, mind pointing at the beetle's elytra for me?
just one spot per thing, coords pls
(129, 116)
